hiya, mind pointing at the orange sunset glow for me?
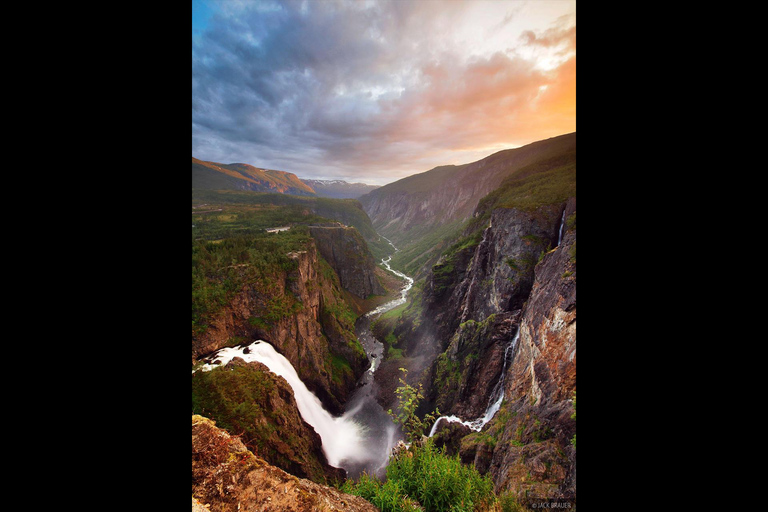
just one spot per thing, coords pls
(373, 91)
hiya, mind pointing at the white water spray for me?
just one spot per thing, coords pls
(494, 401)
(343, 438)
(560, 234)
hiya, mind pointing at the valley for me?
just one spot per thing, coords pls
(448, 294)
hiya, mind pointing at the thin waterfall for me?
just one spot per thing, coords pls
(562, 223)
(494, 401)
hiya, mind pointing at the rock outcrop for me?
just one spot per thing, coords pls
(227, 477)
(485, 286)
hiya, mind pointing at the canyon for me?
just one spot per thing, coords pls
(488, 328)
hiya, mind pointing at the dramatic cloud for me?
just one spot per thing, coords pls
(374, 91)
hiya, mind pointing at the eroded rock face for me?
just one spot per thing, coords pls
(536, 433)
(226, 477)
(517, 278)
(294, 312)
(488, 285)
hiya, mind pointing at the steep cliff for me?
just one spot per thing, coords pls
(513, 271)
(301, 311)
(527, 447)
(345, 250)
(535, 435)
(477, 303)
(227, 477)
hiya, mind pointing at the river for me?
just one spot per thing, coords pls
(361, 439)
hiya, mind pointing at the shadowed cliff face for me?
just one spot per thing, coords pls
(302, 314)
(477, 304)
(345, 250)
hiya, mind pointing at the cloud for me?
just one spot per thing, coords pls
(372, 90)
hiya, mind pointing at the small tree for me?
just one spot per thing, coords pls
(408, 401)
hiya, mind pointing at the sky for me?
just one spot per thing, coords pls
(373, 91)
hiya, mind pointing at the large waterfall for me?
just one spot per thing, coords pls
(343, 437)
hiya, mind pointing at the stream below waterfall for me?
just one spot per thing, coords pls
(361, 439)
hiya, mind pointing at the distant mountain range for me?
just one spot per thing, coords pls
(339, 189)
(237, 176)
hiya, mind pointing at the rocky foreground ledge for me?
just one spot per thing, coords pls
(228, 477)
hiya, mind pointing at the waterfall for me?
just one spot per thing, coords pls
(562, 223)
(343, 438)
(494, 401)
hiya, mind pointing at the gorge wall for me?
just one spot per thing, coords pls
(303, 314)
(346, 251)
(512, 275)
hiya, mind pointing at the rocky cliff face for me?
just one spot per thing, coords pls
(527, 446)
(514, 276)
(345, 250)
(538, 429)
(484, 287)
(300, 312)
(227, 477)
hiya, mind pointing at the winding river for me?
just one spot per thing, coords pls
(362, 438)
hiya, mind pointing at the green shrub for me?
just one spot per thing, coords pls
(408, 401)
(426, 476)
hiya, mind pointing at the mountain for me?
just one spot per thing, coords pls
(421, 210)
(339, 189)
(237, 176)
